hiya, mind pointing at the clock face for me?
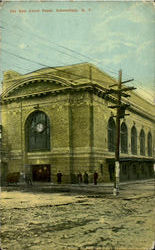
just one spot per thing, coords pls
(40, 127)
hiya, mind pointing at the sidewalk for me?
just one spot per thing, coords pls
(82, 188)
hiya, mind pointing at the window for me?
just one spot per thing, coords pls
(124, 138)
(133, 140)
(124, 169)
(0, 139)
(101, 167)
(134, 168)
(142, 170)
(142, 142)
(111, 134)
(149, 144)
(37, 132)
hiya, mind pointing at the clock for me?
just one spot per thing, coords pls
(39, 127)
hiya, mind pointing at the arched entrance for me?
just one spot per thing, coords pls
(37, 132)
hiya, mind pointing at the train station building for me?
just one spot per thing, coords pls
(58, 119)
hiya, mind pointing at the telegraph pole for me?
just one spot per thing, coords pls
(117, 147)
(120, 113)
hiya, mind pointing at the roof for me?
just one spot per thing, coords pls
(74, 73)
(70, 76)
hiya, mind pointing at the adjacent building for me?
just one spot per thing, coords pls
(58, 119)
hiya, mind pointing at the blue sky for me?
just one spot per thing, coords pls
(111, 35)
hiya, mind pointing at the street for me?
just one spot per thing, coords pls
(55, 221)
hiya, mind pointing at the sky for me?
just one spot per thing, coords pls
(111, 35)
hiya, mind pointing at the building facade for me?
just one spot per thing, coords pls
(58, 119)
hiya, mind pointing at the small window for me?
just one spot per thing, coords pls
(149, 142)
(111, 135)
(142, 170)
(124, 138)
(133, 140)
(134, 169)
(124, 169)
(101, 167)
(142, 142)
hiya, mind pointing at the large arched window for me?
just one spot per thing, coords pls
(111, 134)
(38, 132)
(142, 142)
(124, 138)
(133, 140)
(149, 144)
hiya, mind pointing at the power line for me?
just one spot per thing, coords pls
(21, 57)
(71, 50)
(51, 46)
(16, 66)
(45, 65)
(138, 83)
(48, 46)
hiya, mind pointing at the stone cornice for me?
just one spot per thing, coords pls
(39, 93)
(92, 86)
(50, 78)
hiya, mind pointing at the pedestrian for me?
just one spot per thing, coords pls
(22, 176)
(95, 178)
(59, 177)
(79, 178)
(86, 178)
(28, 179)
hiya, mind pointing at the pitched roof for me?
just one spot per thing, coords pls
(74, 73)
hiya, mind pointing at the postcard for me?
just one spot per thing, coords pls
(77, 125)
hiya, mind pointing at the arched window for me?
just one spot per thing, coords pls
(111, 134)
(149, 144)
(142, 142)
(124, 138)
(37, 132)
(133, 140)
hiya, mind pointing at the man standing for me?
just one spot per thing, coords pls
(86, 178)
(95, 178)
(79, 178)
(59, 175)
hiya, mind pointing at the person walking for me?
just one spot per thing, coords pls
(59, 177)
(95, 178)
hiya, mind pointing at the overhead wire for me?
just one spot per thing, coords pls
(45, 65)
(55, 68)
(71, 50)
(62, 52)
(16, 65)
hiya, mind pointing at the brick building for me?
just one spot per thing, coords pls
(57, 119)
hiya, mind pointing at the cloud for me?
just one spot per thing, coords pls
(22, 46)
(143, 47)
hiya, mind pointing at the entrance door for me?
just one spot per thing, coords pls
(41, 173)
(111, 171)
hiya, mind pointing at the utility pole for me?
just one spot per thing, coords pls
(117, 167)
(120, 113)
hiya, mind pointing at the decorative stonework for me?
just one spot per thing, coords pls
(78, 115)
